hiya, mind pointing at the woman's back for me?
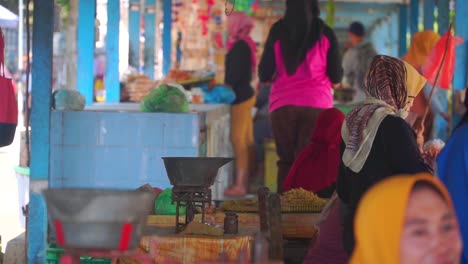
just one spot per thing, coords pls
(311, 83)
(393, 152)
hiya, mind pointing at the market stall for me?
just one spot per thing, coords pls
(118, 146)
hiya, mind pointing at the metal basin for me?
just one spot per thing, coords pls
(194, 171)
(98, 219)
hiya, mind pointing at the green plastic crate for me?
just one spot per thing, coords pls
(54, 253)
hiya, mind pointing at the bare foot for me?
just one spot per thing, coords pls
(235, 191)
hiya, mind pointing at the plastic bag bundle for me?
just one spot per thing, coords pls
(68, 100)
(219, 95)
(435, 144)
(167, 98)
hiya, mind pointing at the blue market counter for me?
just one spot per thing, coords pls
(117, 146)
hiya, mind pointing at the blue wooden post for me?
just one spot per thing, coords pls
(403, 29)
(429, 6)
(414, 17)
(395, 34)
(444, 18)
(134, 33)
(150, 39)
(166, 36)
(443, 22)
(461, 64)
(85, 48)
(112, 81)
(42, 44)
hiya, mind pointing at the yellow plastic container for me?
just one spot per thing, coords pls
(271, 169)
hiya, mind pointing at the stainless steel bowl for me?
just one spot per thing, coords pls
(194, 171)
(95, 219)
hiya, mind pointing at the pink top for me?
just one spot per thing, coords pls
(309, 86)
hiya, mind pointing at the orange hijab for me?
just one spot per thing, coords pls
(380, 216)
(422, 44)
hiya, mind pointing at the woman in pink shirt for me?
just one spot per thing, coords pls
(303, 62)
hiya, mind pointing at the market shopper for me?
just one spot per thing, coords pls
(452, 167)
(377, 141)
(240, 64)
(356, 60)
(407, 219)
(302, 60)
(316, 167)
(418, 53)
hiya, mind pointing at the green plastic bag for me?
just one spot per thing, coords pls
(166, 99)
(68, 100)
(164, 205)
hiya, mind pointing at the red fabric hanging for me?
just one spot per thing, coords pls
(8, 103)
(434, 60)
(316, 166)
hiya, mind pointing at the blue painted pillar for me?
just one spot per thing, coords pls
(112, 80)
(134, 34)
(403, 30)
(444, 15)
(150, 39)
(394, 24)
(85, 48)
(166, 36)
(414, 16)
(429, 6)
(42, 45)
(461, 64)
(443, 20)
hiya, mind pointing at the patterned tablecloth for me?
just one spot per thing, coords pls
(167, 247)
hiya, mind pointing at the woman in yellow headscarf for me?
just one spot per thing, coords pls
(377, 141)
(407, 219)
(420, 48)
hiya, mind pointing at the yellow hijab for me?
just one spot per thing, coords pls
(422, 44)
(389, 91)
(380, 215)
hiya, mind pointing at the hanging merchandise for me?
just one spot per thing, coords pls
(243, 6)
(8, 103)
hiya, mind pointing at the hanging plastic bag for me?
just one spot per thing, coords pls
(8, 103)
(68, 100)
(447, 42)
